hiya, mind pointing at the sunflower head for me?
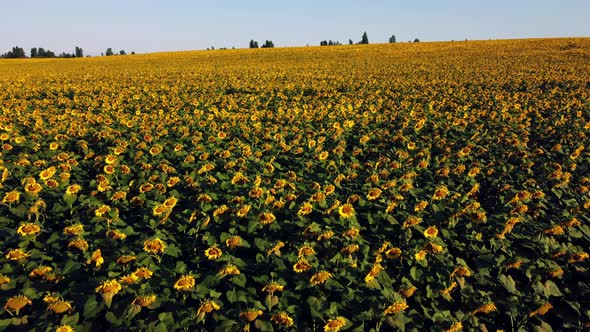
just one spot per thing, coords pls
(185, 283)
(16, 303)
(213, 253)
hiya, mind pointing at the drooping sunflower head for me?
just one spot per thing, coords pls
(250, 315)
(16, 303)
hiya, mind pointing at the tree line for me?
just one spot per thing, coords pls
(364, 40)
(40, 52)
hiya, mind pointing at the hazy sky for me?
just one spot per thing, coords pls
(150, 25)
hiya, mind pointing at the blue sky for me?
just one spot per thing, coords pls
(151, 26)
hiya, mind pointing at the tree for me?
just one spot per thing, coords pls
(109, 52)
(268, 44)
(253, 44)
(122, 52)
(350, 42)
(132, 52)
(392, 39)
(323, 43)
(16, 52)
(364, 39)
(79, 52)
(416, 40)
(34, 52)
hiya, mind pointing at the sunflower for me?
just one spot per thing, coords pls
(145, 301)
(456, 327)
(51, 183)
(102, 210)
(74, 230)
(351, 233)
(411, 221)
(4, 279)
(420, 206)
(229, 269)
(305, 251)
(126, 259)
(346, 211)
(116, 235)
(11, 197)
(320, 277)
(40, 271)
(233, 242)
(431, 232)
(485, 309)
(266, 218)
(335, 324)
(16, 303)
(421, 255)
(79, 244)
(33, 188)
(555, 230)
(107, 289)
(305, 209)
(170, 202)
(47, 174)
(393, 253)
(250, 315)
(185, 283)
(119, 195)
(16, 254)
(276, 249)
(28, 229)
(282, 318)
(60, 307)
(323, 155)
(129, 279)
(143, 272)
(64, 328)
(373, 194)
(395, 308)
(301, 266)
(96, 258)
(154, 246)
(207, 307)
(408, 292)
(243, 211)
(213, 253)
(350, 249)
(73, 189)
(273, 287)
(110, 159)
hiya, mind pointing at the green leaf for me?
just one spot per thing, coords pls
(226, 325)
(509, 284)
(263, 326)
(111, 318)
(552, 289)
(90, 308)
(19, 210)
(69, 199)
(71, 320)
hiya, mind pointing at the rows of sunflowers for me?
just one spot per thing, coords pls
(416, 186)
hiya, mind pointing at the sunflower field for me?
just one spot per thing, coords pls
(417, 186)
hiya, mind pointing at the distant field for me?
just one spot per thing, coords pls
(418, 186)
